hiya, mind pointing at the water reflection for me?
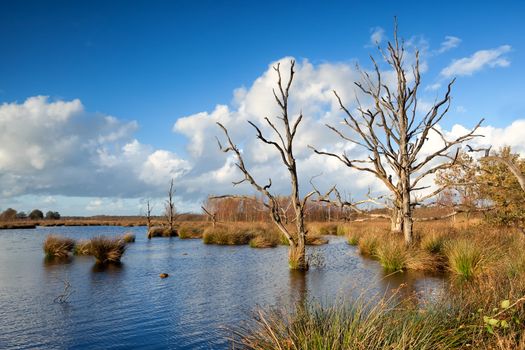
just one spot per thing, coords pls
(129, 306)
(298, 287)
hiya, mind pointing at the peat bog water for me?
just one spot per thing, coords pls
(210, 289)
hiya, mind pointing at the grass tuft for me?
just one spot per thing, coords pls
(82, 247)
(57, 246)
(465, 258)
(392, 255)
(128, 237)
(107, 249)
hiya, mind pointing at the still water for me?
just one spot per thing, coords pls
(211, 290)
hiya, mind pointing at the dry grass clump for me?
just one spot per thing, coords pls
(83, 247)
(57, 246)
(228, 235)
(322, 228)
(107, 249)
(368, 245)
(192, 230)
(315, 240)
(128, 237)
(263, 242)
(382, 324)
(466, 259)
(256, 235)
(392, 255)
(353, 239)
(434, 243)
(158, 231)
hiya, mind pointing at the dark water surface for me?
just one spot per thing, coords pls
(210, 289)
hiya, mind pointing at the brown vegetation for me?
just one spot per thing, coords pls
(107, 249)
(57, 246)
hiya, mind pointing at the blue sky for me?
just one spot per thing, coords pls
(151, 62)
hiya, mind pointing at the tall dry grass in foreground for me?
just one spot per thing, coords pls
(480, 314)
(482, 307)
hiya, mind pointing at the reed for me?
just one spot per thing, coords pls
(107, 249)
(57, 246)
(128, 237)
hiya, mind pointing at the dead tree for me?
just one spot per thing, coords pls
(169, 206)
(149, 209)
(284, 145)
(211, 215)
(392, 133)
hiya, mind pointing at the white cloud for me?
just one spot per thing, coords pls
(377, 35)
(57, 148)
(449, 43)
(478, 61)
(213, 171)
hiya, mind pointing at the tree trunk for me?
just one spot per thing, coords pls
(408, 221)
(396, 221)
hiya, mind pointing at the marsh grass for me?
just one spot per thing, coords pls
(375, 324)
(483, 313)
(58, 247)
(353, 239)
(228, 235)
(466, 259)
(82, 247)
(159, 231)
(128, 237)
(434, 243)
(315, 240)
(392, 255)
(107, 249)
(192, 230)
(368, 245)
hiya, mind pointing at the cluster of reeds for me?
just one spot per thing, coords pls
(483, 306)
(104, 249)
(223, 234)
(451, 322)
(192, 230)
(465, 252)
(161, 231)
(58, 247)
(107, 249)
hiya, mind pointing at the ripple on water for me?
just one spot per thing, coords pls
(210, 289)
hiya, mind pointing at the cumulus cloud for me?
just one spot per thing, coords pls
(213, 171)
(478, 61)
(58, 148)
(51, 150)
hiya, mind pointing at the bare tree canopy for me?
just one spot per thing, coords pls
(392, 132)
(284, 145)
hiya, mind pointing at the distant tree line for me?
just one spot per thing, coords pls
(11, 214)
(252, 209)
